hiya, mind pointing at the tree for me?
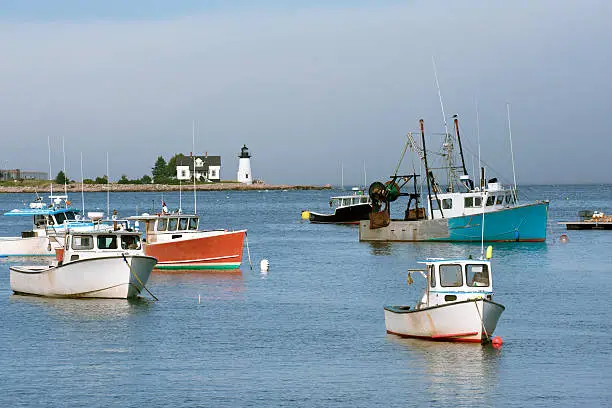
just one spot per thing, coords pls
(124, 180)
(61, 178)
(159, 170)
(101, 180)
(146, 179)
(171, 167)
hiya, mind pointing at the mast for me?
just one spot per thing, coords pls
(107, 189)
(50, 176)
(365, 179)
(195, 199)
(465, 173)
(82, 182)
(426, 166)
(65, 176)
(341, 176)
(448, 144)
(512, 154)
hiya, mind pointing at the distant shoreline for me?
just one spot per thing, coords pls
(116, 187)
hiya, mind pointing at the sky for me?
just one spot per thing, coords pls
(315, 89)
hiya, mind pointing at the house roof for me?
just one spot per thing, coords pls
(206, 161)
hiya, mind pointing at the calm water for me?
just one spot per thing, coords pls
(312, 332)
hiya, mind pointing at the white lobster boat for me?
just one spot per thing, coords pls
(457, 304)
(92, 264)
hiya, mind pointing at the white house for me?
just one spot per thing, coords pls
(207, 168)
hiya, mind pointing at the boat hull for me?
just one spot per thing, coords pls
(343, 215)
(472, 321)
(103, 277)
(524, 223)
(32, 246)
(203, 250)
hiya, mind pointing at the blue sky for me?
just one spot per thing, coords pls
(310, 87)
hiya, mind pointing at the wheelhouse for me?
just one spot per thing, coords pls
(176, 223)
(451, 281)
(346, 201)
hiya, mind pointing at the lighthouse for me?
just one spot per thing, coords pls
(244, 166)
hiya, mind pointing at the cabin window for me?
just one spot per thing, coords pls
(364, 200)
(450, 275)
(60, 218)
(107, 242)
(82, 242)
(193, 223)
(434, 205)
(70, 216)
(468, 202)
(500, 200)
(162, 224)
(447, 203)
(508, 198)
(432, 276)
(130, 242)
(182, 224)
(172, 224)
(39, 220)
(477, 201)
(490, 201)
(477, 275)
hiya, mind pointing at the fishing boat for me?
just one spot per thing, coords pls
(90, 264)
(177, 243)
(454, 212)
(457, 303)
(348, 209)
(49, 225)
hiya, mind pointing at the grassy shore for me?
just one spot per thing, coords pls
(37, 186)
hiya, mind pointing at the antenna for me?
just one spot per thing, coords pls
(512, 154)
(50, 176)
(82, 181)
(180, 196)
(341, 176)
(482, 201)
(365, 178)
(446, 134)
(195, 200)
(107, 189)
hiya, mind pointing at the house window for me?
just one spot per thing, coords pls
(184, 173)
(247, 175)
(447, 203)
(213, 173)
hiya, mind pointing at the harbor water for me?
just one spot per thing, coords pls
(310, 332)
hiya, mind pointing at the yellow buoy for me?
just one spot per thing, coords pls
(489, 252)
(305, 215)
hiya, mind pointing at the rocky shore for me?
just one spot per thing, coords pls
(115, 187)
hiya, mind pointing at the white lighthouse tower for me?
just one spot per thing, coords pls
(244, 166)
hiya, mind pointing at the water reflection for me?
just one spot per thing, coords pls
(203, 284)
(453, 371)
(381, 248)
(89, 309)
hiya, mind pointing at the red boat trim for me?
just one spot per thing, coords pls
(199, 260)
(441, 336)
(455, 339)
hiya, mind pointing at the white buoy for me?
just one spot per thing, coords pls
(198, 298)
(264, 265)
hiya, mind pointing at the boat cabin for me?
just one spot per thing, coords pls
(94, 244)
(349, 200)
(451, 281)
(171, 225)
(457, 204)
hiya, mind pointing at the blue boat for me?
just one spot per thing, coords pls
(457, 210)
(49, 226)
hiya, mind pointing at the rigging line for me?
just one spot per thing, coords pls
(511, 151)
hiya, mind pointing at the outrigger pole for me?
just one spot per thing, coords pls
(461, 150)
(426, 166)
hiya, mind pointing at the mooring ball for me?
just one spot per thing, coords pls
(563, 239)
(497, 341)
(264, 265)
